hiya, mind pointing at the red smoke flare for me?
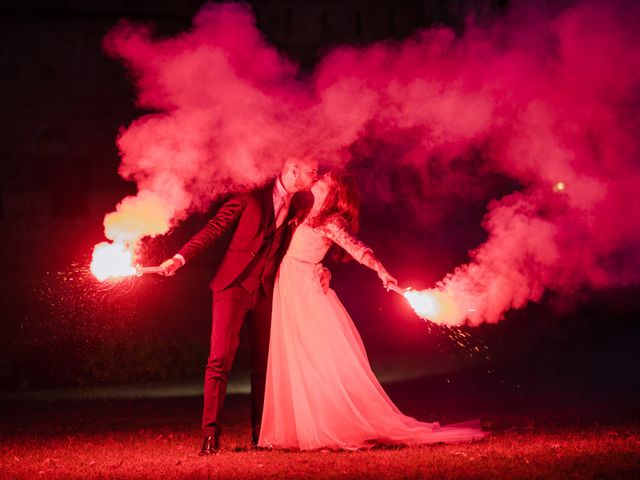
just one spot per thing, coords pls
(547, 98)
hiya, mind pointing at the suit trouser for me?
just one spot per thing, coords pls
(230, 308)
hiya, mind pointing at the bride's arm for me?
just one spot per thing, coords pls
(337, 230)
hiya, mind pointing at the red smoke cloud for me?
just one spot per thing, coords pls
(540, 97)
(225, 106)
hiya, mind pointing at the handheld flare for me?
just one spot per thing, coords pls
(425, 304)
(140, 270)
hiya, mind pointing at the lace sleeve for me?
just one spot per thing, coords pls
(337, 230)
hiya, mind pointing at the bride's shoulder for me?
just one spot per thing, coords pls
(337, 221)
(333, 224)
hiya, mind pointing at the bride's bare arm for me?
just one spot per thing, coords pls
(337, 230)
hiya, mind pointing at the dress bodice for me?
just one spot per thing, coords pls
(310, 244)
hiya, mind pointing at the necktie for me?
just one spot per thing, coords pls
(283, 209)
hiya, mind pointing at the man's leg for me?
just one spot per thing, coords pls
(259, 319)
(229, 309)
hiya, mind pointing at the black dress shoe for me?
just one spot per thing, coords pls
(255, 435)
(210, 445)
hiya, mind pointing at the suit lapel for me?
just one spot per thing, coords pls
(268, 215)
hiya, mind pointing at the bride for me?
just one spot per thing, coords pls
(320, 391)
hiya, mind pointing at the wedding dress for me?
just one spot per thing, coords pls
(321, 391)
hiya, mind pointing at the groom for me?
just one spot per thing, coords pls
(243, 284)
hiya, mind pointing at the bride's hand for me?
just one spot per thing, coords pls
(387, 279)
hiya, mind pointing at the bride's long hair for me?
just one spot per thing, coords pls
(343, 200)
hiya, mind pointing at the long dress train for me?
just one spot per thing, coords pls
(321, 391)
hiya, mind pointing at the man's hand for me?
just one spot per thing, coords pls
(170, 266)
(324, 276)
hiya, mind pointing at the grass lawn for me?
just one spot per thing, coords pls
(159, 453)
(158, 439)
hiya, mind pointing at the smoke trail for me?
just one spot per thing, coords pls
(572, 143)
(548, 98)
(224, 102)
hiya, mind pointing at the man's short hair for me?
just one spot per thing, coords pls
(300, 161)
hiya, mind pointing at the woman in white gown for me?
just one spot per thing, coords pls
(320, 391)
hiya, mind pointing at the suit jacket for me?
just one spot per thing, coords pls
(250, 215)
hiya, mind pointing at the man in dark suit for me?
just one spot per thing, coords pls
(243, 284)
